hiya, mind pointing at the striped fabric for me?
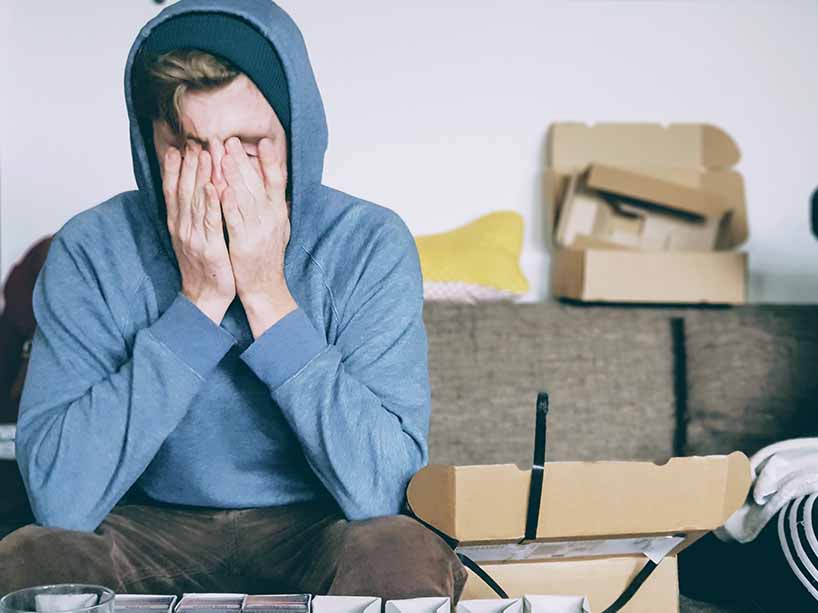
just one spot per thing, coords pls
(796, 532)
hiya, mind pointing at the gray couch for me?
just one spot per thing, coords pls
(641, 383)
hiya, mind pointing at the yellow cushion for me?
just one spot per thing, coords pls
(483, 255)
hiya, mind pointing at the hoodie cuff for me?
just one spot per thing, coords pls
(192, 336)
(284, 348)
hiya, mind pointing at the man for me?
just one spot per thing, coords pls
(235, 346)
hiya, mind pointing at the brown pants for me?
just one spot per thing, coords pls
(303, 548)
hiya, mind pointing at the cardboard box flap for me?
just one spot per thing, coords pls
(572, 146)
(675, 197)
(476, 504)
(428, 484)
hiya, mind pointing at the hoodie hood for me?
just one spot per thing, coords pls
(308, 126)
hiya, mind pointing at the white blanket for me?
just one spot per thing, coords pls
(780, 472)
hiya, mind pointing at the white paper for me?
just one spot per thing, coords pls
(64, 602)
(654, 547)
(346, 604)
(494, 605)
(556, 604)
(419, 605)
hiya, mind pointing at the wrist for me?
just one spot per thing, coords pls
(214, 308)
(263, 310)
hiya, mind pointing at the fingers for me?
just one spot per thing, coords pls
(187, 178)
(274, 169)
(187, 190)
(238, 190)
(203, 170)
(199, 203)
(233, 217)
(213, 214)
(170, 182)
(241, 169)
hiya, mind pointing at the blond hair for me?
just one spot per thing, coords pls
(166, 78)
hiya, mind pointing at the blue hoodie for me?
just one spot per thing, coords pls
(130, 385)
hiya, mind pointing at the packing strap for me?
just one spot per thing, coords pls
(634, 585)
(487, 578)
(537, 468)
(533, 515)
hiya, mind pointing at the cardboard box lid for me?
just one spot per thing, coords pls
(475, 504)
(694, 155)
(573, 146)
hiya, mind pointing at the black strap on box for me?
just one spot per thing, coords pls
(537, 468)
(533, 516)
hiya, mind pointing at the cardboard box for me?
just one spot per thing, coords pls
(490, 605)
(430, 604)
(598, 522)
(688, 163)
(623, 209)
(602, 580)
(604, 275)
(346, 604)
(557, 604)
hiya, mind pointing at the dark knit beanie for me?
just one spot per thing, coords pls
(231, 38)
(236, 41)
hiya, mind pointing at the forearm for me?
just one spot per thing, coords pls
(79, 453)
(358, 448)
(350, 432)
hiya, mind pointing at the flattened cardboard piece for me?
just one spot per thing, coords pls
(136, 603)
(693, 155)
(419, 605)
(686, 277)
(208, 602)
(346, 604)
(557, 604)
(484, 504)
(602, 580)
(490, 605)
(660, 192)
(590, 218)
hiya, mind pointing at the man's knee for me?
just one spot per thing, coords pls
(400, 558)
(34, 555)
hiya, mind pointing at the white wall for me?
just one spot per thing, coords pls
(439, 108)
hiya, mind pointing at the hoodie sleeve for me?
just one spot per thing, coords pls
(360, 406)
(95, 410)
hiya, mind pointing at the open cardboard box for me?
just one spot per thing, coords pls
(688, 163)
(599, 523)
(611, 207)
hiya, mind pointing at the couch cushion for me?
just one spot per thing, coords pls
(609, 372)
(752, 377)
